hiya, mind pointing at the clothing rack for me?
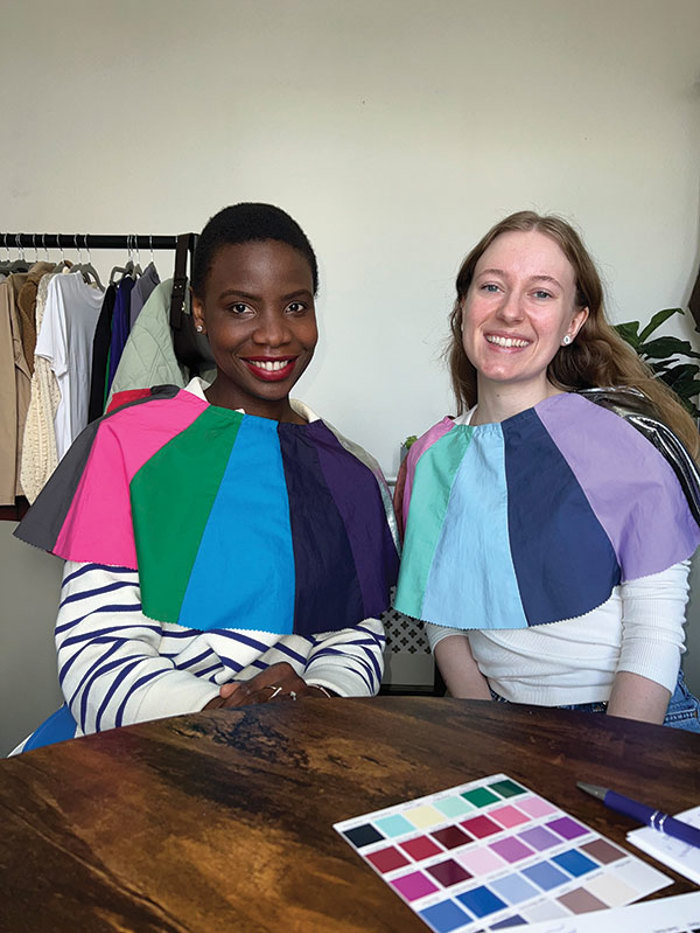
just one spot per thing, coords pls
(88, 241)
(190, 349)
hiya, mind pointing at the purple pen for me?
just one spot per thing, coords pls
(657, 819)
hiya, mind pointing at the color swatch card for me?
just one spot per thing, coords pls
(491, 854)
(679, 914)
(675, 853)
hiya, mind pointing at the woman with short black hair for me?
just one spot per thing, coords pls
(224, 546)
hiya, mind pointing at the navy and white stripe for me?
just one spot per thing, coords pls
(116, 666)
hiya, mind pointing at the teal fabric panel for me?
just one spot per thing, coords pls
(432, 484)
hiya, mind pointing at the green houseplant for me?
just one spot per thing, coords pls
(669, 357)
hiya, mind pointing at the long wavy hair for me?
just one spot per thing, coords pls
(598, 357)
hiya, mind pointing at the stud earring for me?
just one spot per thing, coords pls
(199, 329)
(567, 340)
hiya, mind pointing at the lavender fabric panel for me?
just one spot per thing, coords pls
(358, 499)
(630, 487)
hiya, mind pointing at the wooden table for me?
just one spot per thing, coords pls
(222, 821)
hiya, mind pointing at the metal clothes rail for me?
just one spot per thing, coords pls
(87, 241)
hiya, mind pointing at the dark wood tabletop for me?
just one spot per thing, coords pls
(223, 820)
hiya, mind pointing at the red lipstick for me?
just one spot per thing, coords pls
(271, 368)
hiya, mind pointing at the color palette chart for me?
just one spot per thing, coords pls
(491, 854)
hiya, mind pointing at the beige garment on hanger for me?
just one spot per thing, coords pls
(25, 300)
(39, 455)
(15, 382)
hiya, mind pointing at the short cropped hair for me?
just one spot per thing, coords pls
(244, 223)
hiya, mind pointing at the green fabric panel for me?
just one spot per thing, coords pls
(430, 494)
(171, 498)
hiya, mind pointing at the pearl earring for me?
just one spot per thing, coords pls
(199, 328)
(567, 340)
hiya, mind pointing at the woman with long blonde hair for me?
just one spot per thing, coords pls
(547, 540)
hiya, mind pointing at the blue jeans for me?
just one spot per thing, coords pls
(683, 708)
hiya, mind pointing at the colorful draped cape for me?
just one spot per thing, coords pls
(232, 521)
(535, 519)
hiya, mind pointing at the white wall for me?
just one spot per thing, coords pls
(29, 691)
(395, 132)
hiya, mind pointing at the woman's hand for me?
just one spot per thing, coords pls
(277, 682)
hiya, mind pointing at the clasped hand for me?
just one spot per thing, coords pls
(277, 682)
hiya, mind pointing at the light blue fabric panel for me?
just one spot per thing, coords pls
(246, 547)
(472, 582)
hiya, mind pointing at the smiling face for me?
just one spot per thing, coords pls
(258, 312)
(518, 310)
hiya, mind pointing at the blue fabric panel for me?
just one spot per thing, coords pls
(328, 594)
(475, 534)
(57, 728)
(564, 561)
(246, 547)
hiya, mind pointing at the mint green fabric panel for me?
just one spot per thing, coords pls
(432, 486)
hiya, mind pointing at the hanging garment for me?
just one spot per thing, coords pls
(39, 456)
(65, 340)
(100, 354)
(26, 308)
(142, 291)
(120, 328)
(15, 382)
(149, 358)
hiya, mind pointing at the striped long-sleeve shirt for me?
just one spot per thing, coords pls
(117, 667)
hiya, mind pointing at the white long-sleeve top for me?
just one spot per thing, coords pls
(639, 629)
(117, 667)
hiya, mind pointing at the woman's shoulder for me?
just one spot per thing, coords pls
(628, 410)
(352, 447)
(130, 398)
(426, 440)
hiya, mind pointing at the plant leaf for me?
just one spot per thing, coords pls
(686, 387)
(692, 410)
(661, 348)
(657, 320)
(629, 331)
(672, 374)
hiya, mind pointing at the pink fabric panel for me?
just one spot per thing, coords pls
(416, 451)
(98, 527)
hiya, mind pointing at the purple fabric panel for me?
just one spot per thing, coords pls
(417, 449)
(630, 486)
(357, 497)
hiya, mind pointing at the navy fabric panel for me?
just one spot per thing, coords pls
(564, 562)
(43, 522)
(327, 592)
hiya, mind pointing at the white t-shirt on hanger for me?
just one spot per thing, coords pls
(65, 340)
